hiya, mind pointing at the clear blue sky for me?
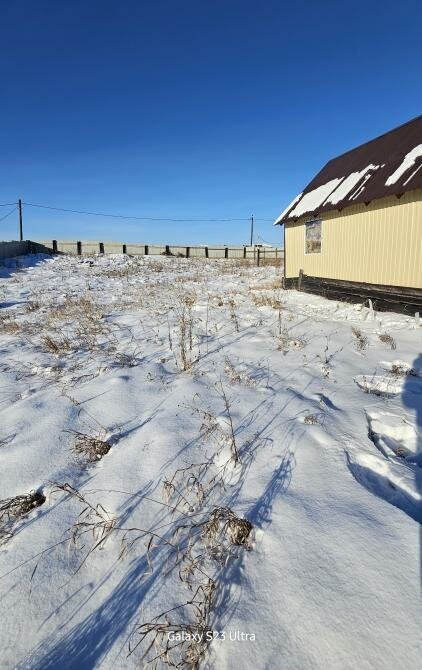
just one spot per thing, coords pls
(213, 109)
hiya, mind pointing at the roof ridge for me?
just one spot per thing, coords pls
(374, 139)
(393, 154)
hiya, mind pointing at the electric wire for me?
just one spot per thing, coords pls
(137, 218)
(8, 214)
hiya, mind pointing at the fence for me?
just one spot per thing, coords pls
(15, 248)
(202, 251)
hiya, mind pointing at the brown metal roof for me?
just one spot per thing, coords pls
(395, 158)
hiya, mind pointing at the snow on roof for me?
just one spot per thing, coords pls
(284, 212)
(388, 165)
(348, 184)
(408, 161)
(313, 199)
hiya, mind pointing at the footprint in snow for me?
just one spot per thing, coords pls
(394, 473)
(393, 435)
(399, 376)
(391, 479)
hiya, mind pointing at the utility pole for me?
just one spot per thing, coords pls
(20, 220)
(251, 229)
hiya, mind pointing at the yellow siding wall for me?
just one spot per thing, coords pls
(379, 244)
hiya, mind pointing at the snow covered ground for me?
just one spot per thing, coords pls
(151, 411)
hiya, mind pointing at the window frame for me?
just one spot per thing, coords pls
(311, 253)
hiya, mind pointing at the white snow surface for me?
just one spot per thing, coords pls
(328, 434)
(407, 162)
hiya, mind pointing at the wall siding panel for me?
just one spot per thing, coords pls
(378, 244)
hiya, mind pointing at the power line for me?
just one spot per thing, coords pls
(8, 214)
(261, 239)
(122, 216)
(7, 204)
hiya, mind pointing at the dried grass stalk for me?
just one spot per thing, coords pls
(14, 508)
(361, 341)
(385, 338)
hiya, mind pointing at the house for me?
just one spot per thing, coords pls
(355, 232)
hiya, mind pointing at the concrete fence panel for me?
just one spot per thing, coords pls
(200, 251)
(15, 248)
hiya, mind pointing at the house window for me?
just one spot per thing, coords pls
(313, 232)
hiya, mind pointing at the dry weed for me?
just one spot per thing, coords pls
(180, 643)
(60, 345)
(262, 300)
(385, 338)
(9, 325)
(273, 284)
(327, 357)
(93, 520)
(224, 528)
(400, 370)
(311, 419)
(127, 359)
(183, 642)
(155, 266)
(236, 377)
(185, 353)
(361, 341)
(233, 314)
(33, 305)
(287, 342)
(91, 448)
(14, 508)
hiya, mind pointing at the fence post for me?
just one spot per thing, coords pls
(124, 249)
(79, 248)
(206, 252)
(20, 220)
(101, 247)
(276, 252)
(187, 252)
(226, 252)
(146, 250)
(244, 252)
(299, 281)
(54, 246)
(258, 257)
(167, 250)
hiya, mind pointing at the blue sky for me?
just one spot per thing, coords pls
(201, 109)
